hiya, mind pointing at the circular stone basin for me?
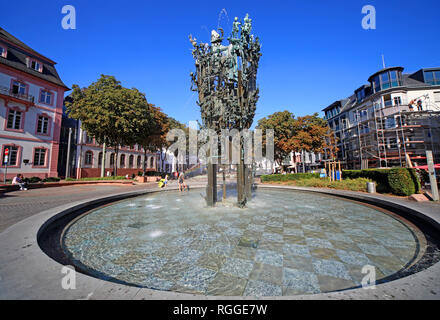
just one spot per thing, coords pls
(283, 243)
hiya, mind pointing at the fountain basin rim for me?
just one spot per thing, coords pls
(54, 216)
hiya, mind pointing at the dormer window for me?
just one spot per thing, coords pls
(3, 52)
(46, 97)
(386, 79)
(34, 64)
(432, 77)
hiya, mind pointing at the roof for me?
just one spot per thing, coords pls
(16, 58)
(408, 81)
(383, 70)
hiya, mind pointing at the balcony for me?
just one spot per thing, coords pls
(17, 96)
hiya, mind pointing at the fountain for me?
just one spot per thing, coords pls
(282, 243)
(225, 80)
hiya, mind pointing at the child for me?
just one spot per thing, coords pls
(182, 185)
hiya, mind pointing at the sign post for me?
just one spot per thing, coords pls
(6, 163)
(432, 177)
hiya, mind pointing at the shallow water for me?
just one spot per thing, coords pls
(283, 243)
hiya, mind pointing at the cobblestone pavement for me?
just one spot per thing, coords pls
(19, 205)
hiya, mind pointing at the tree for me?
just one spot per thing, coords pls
(152, 134)
(284, 126)
(109, 112)
(308, 133)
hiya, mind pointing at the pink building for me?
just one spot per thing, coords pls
(31, 107)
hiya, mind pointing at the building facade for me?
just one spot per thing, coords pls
(390, 122)
(31, 102)
(295, 162)
(129, 159)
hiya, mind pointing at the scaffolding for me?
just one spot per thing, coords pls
(391, 136)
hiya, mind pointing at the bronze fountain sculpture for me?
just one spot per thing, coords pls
(225, 80)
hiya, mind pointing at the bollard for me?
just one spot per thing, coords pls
(371, 187)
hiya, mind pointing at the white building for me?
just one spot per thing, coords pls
(130, 159)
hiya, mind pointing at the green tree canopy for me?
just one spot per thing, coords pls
(294, 134)
(109, 112)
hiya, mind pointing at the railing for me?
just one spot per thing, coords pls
(21, 96)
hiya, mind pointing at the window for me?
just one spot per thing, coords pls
(39, 157)
(13, 155)
(87, 139)
(112, 160)
(390, 123)
(100, 159)
(397, 101)
(360, 95)
(386, 80)
(151, 162)
(46, 97)
(43, 125)
(3, 52)
(432, 77)
(14, 120)
(36, 65)
(122, 161)
(376, 84)
(139, 160)
(88, 160)
(131, 161)
(18, 88)
(437, 96)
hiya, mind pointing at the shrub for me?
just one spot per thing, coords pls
(52, 179)
(401, 182)
(359, 184)
(153, 174)
(381, 177)
(288, 177)
(32, 180)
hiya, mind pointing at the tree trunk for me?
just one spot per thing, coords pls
(115, 166)
(103, 161)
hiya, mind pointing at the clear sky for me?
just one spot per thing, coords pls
(314, 52)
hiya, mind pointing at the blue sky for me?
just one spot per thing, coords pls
(314, 52)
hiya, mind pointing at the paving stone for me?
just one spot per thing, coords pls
(300, 281)
(269, 257)
(237, 267)
(260, 288)
(330, 268)
(267, 273)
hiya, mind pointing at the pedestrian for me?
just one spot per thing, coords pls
(18, 180)
(182, 185)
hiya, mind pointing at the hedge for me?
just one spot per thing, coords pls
(288, 177)
(400, 182)
(388, 180)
